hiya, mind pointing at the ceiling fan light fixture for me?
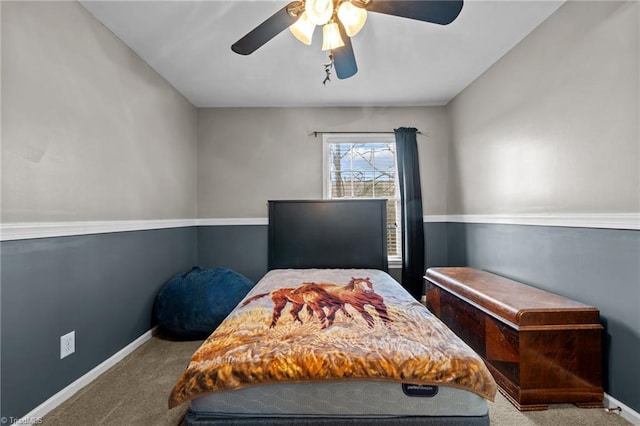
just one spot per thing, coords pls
(352, 17)
(340, 20)
(319, 11)
(331, 36)
(303, 29)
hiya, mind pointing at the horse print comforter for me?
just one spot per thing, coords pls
(330, 324)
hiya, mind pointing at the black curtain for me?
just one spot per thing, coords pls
(412, 221)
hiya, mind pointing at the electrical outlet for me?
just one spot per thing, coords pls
(67, 344)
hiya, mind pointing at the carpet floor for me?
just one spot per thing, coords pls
(135, 392)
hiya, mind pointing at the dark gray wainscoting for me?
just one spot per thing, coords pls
(242, 248)
(102, 286)
(435, 241)
(599, 267)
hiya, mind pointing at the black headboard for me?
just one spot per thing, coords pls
(328, 234)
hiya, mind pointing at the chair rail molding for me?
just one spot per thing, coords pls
(629, 221)
(29, 230)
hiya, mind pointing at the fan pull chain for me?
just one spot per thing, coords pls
(327, 70)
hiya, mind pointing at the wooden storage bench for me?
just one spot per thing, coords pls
(540, 347)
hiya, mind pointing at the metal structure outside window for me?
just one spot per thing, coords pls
(364, 166)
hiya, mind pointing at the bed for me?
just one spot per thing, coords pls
(327, 336)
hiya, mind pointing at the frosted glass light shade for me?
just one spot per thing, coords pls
(303, 29)
(319, 11)
(352, 17)
(331, 36)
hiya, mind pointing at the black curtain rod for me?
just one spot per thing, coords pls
(317, 132)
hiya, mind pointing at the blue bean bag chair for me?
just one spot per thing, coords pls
(191, 305)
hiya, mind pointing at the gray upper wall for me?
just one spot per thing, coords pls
(247, 156)
(89, 130)
(553, 126)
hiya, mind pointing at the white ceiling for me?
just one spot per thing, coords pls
(400, 61)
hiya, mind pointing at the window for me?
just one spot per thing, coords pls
(364, 166)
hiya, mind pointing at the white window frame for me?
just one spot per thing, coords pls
(333, 138)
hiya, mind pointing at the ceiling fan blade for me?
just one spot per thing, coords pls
(344, 59)
(441, 12)
(267, 30)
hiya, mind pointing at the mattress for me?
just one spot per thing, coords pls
(358, 399)
(333, 344)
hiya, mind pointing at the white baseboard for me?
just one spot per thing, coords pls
(41, 410)
(626, 412)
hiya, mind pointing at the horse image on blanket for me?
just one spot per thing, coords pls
(286, 295)
(316, 296)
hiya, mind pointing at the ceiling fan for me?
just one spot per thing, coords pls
(341, 20)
